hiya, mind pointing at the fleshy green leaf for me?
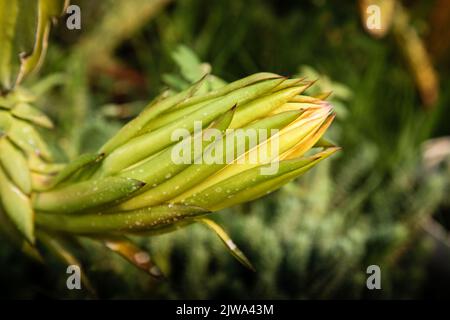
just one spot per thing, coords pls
(132, 253)
(9, 10)
(27, 112)
(10, 231)
(262, 106)
(28, 139)
(255, 185)
(75, 165)
(134, 127)
(5, 122)
(61, 248)
(47, 9)
(244, 82)
(196, 173)
(158, 168)
(37, 165)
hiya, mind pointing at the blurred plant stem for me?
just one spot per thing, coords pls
(121, 20)
(95, 54)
